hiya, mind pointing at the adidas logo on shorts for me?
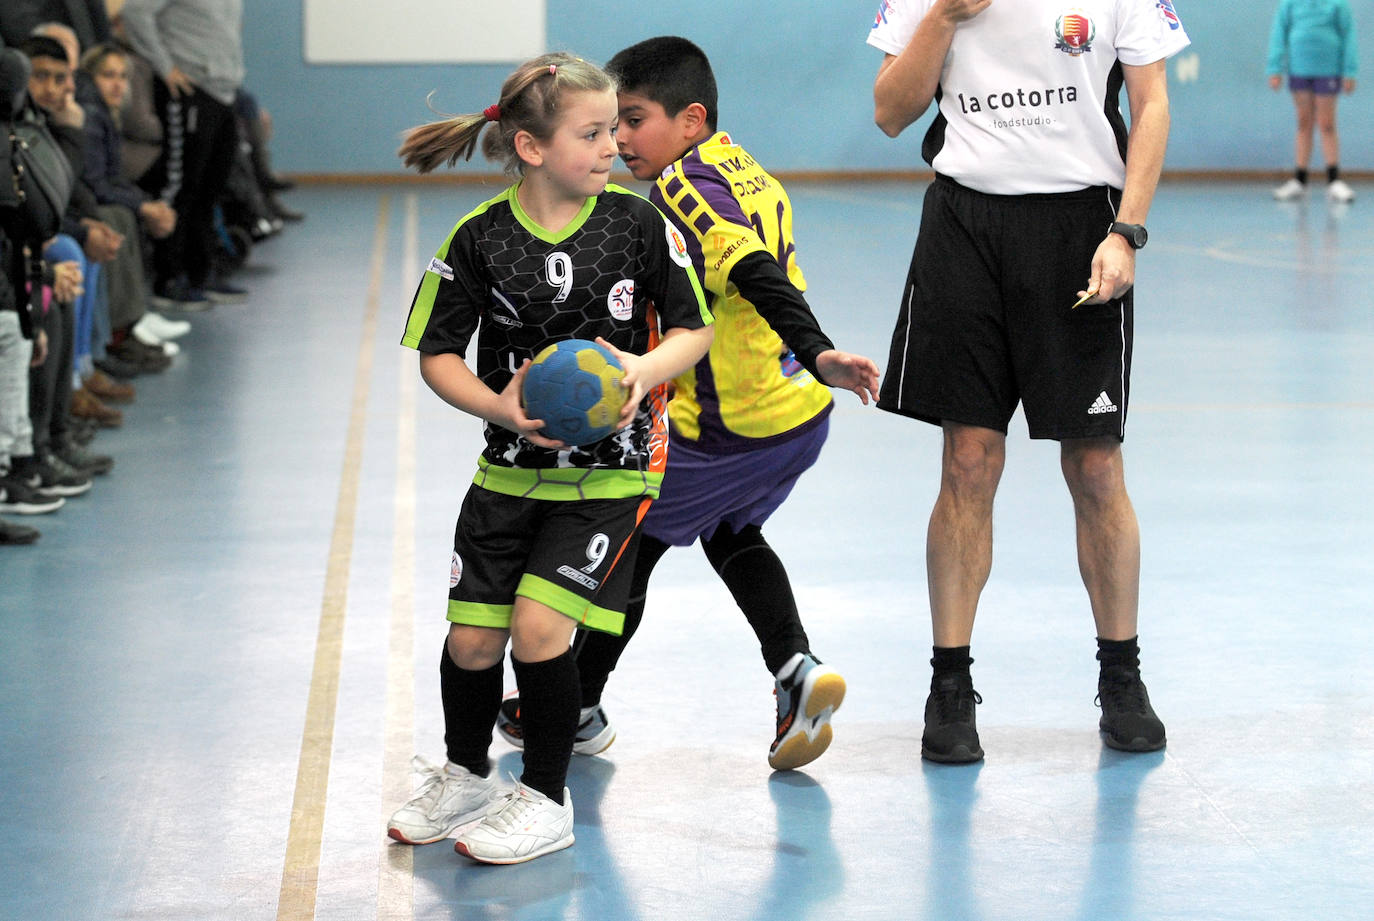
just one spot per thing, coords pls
(1103, 404)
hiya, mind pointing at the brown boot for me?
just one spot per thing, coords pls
(86, 405)
(105, 387)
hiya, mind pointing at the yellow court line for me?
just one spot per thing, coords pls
(396, 868)
(301, 867)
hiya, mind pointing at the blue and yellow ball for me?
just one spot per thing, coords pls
(575, 387)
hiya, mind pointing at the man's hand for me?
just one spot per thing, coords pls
(956, 11)
(158, 217)
(178, 83)
(40, 348)
(102, 240)
(66, 284)
(1113, 270)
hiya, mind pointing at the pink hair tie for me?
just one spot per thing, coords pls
(492, 113)
(553, 69)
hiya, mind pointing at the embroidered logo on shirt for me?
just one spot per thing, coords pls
(455, 570)
(1074, 32)
(1169, 14)
(437, 266)
(883, 10)
(621, 301)
(677, 246)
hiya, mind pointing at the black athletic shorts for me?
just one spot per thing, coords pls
(987, 321)
(576, 557)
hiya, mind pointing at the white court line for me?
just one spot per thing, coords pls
(396, 870)
(301, 866)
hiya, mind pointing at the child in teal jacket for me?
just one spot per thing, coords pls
(1313, 41)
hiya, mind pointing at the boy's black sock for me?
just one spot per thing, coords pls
(1333, 172)
(597, 653)
(950, 660)
(1300, 174)
(549, 712)
(471, 702)
(757, 581)
(1119, 652)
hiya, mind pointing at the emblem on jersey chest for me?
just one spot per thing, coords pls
(1074, 32)
(621, 301)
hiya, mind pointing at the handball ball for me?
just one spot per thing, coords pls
(574, 386)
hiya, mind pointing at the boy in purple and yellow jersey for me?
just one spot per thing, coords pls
(751, 416)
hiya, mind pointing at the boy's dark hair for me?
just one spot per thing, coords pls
(40, 46)
(669, 70)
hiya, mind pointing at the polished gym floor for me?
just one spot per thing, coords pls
(217, 665)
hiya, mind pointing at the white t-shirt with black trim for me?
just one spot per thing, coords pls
(1029, 94)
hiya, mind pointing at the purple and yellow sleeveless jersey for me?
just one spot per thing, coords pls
(749, 391)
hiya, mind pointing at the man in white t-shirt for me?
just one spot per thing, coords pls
(1020, 292)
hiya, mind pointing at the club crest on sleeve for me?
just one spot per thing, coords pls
(1074, 32)
(883, 9)
(1169, 14)
(677, 246)
(455, 570)
(621, 301)
(437, 266)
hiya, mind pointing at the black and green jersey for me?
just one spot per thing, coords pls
(619, 270)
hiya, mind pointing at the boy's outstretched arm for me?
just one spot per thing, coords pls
(763, 283)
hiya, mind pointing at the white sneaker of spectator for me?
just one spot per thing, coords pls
(1338, 191)
(154, 342)
(1290, 190)
(162, 327)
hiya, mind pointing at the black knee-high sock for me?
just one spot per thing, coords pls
(759, 584)
(471, 701)
(549, 713)
(597, 653)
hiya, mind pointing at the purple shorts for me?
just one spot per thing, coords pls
(1320, 86)
(703, 491)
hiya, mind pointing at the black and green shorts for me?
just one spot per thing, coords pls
(574, 556)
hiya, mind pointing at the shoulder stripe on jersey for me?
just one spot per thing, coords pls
(423, 306)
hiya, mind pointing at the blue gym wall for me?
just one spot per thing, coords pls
(795, 79)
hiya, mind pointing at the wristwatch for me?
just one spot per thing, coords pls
(1134, 233)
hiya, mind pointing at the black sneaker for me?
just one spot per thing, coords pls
(1128, 721)
(87, 462)
(951, 735)
(49, 475)
(18, 498)
(11, 533)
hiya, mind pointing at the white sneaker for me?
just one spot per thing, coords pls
(1290, 190)
(526, 826)
(163, 327)
(1338, 191)
(448, 797)
(145, 335)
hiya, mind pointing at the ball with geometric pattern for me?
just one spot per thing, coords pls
(575, 387)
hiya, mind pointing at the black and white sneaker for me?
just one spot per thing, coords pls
(18, 498)
(49, 475)
(594, 731)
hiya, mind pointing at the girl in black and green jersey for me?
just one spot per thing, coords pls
(547, 532)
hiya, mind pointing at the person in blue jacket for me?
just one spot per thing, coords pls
(1313, 41)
